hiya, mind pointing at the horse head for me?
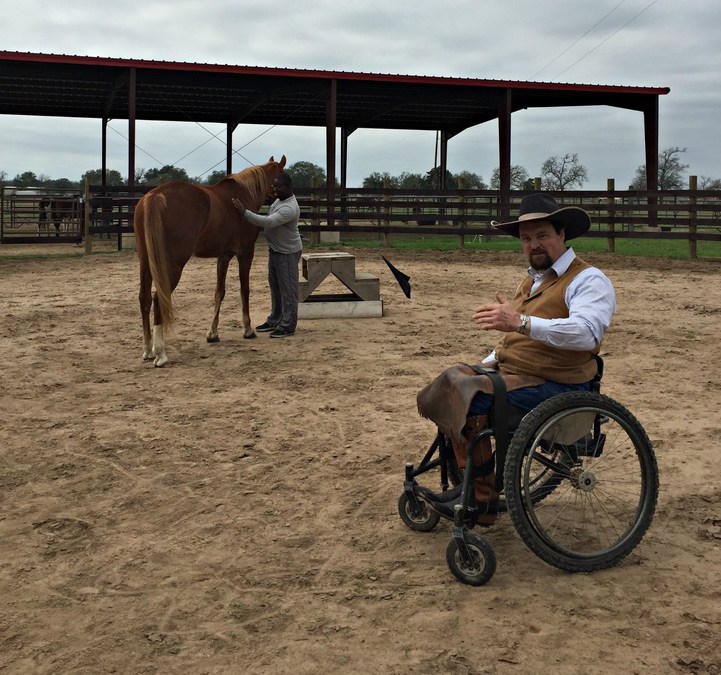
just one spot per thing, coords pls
(272, 169)
(257, 180)
(282, 161)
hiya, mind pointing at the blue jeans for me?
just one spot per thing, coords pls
(525, 398)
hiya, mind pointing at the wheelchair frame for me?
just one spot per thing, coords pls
(520, 444)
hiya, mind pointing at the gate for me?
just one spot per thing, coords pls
(37, 215)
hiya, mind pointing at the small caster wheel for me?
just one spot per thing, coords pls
(423, 520)
(481, 566)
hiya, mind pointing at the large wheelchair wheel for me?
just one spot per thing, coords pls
(599, 482)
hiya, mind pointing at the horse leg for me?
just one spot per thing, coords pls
(158, 348)
(161, 358)
(222, 272)
(145, 298)
(245, 260)
(42, 218)
(145, 295)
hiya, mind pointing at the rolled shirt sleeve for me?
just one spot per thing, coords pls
(591, 302)
(284, 214)
(280, 226)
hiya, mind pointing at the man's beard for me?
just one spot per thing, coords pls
(540, 261)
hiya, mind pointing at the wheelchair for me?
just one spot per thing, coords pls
(577, 475)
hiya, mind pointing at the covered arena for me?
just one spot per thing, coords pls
(108, 88)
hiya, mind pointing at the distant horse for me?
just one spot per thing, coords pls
(58, 209)
(177, 220)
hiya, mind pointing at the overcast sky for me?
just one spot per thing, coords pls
(650, 43)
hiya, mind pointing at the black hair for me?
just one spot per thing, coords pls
(284, 179)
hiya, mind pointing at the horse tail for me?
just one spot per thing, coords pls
(157, 252)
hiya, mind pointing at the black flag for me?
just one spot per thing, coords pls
(402, 279)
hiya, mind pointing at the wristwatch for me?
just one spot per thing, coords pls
(524, 322)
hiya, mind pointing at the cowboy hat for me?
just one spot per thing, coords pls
(574, 220)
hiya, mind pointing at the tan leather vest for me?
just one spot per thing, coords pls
(518, 353)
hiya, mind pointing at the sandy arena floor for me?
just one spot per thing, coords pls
(235, 512)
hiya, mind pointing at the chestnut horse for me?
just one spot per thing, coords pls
(177, 220)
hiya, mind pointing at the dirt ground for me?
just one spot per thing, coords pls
(236, 512)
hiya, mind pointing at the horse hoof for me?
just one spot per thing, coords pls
(250, 336)
(159, 363)
(212, 338)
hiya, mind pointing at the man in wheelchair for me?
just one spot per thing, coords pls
(551, 332)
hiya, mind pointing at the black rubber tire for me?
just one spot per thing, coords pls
(424, 522)
(484, 559)
(567, 530)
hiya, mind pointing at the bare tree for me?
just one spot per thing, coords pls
(670, 171)
(519, 178)
(707, 183)
(561, 173)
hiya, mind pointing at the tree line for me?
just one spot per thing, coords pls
(558, 173)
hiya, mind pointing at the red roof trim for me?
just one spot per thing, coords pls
(320, 74)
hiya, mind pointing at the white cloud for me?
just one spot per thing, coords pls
(665, 45)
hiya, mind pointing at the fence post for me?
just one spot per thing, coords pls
(2, 212)
(315, 235)
(462, 214)
(610, 201)
(86, 218)
(692, 229)
(386, 212)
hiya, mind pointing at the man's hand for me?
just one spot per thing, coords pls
(501, 316)
(240, 206)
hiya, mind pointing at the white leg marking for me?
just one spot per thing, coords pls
(159, 347)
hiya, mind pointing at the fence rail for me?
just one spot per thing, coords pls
(691, 215)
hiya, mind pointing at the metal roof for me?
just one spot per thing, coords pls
(98, 87)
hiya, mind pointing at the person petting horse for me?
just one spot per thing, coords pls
(177, 220)
(285, 246)
(551, 331)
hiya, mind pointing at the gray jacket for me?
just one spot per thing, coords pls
(280, 226)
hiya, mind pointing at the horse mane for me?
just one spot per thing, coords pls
(254, 179)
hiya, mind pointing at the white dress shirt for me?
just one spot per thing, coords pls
(591, 301)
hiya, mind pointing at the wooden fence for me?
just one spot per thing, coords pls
(690, 215)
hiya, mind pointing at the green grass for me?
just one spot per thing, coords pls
(651, 248)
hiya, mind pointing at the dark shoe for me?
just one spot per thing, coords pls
(445, 509)
(445, 496)
(478, 514)
(265, 327)
(279, 333)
